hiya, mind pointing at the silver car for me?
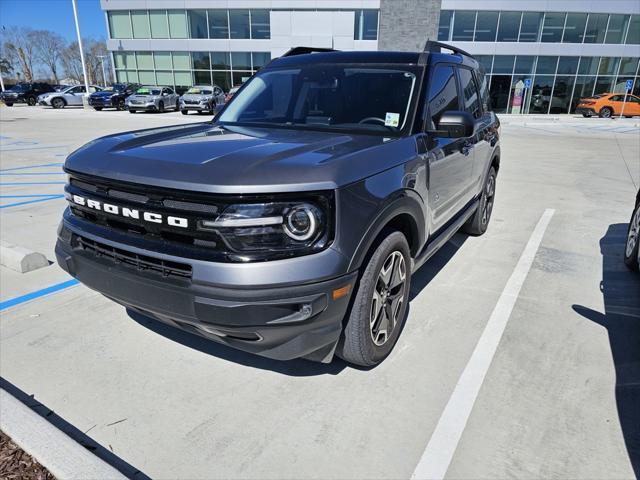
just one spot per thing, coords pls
(70, 96)
(153, 99)
(201, 98)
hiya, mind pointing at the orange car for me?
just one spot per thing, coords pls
(607, 105)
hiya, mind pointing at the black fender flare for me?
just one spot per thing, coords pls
(403, 202)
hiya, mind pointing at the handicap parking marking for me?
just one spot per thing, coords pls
(442, 445)
(38, 293)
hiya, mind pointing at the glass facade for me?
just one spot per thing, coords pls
(181, 70)
(544, 27)
(556, 82)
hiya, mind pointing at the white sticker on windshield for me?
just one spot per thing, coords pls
(392, 119)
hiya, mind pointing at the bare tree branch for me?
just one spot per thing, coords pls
(48, 47)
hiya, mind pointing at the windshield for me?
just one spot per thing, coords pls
(18, 88)
(116, 87)
(148, 91)
(367, 98)
(199, 91)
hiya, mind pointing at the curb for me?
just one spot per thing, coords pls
(57, 452)
(20, 259)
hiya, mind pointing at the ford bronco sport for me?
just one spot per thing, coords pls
(289, 225)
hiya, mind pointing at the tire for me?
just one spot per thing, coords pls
(606, 112)
(364, 343)
(586, 115)
(479, 221)
(8, 104)
(120, 105)
(132, 111)
(31, 101)
(58, 103)
(633, 241)
(161, 106)
(184, 112)
(97, 109)
(177, 105)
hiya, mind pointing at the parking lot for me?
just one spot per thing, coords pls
(560, 398)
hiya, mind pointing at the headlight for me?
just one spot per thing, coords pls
(265, 231)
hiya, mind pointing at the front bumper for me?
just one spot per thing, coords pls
(94, 102)
(142, 108)
(280, 322)
(585, 111)
(199, 107)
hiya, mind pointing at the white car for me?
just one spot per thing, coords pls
(70, 96)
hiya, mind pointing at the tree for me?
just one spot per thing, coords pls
(70, 59)
(48, 48)
(19, 47)
(5, 67)
(93, 49)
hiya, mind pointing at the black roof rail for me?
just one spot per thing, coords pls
(436, 47)
(305, 50)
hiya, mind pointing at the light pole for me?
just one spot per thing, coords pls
(104, 77)
(85, 103)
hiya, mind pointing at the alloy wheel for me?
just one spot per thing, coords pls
(634, 233)
(387, 298)
(487, 200)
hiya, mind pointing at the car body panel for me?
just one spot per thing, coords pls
(166, 99)
(72, 96)
(614, 101)
(202, 101)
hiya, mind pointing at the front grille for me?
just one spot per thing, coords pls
(191, 102)
(141, 263)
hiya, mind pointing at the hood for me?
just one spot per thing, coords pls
(104, 94)
(207, 158)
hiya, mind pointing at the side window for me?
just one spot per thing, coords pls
(443, 94)
(483, 85)
(616, 98)
(470, 93)
(77, 90)
(633, 99)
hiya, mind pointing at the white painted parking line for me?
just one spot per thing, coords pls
(439, 452)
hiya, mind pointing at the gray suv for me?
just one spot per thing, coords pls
(153, 99)
(201, 99)
(290, 225)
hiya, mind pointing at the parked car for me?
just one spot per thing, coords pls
(632, 247)
(113, 96)
(607, 105)
(231, 93)
(201, 99)
(153, 99)
(25, 93)
(69, 97)
(290, 225)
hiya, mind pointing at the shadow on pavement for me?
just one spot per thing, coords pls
(61, 424)
(621, 293)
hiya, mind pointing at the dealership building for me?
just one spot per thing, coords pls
(540, 55)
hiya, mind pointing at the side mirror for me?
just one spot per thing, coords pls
(456, 124)
(218, 108)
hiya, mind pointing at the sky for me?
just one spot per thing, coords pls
(55, 15)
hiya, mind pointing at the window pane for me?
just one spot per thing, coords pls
(218, 24)
(240, 77)
(181, 61)
(164, 78)
(201, 78)
(503, 64)
(583, 88)
(541, 94)
(260, 24)
(182, 79)
(509, 26)
(370, 25)
(445, 25)
(120, 24)
(145, 60)
(486, 61)
(603, 85)
(596, 27)
(220, 61)
(499, 92)
(546, 64)
(159, 25)
(628, 66)
(443, 94)
(617, 28)
(486, 27)
(588, 65)
(633, 35)
(483, 84)
(260, 59)
(519, 95)
(200, 60)
(241, 61)
(621, 84)
(119, 59)
(125, 59)
(222, 79)
(524, 64)
(197, 23)
(177, 23)
(463, 23)
(530, 29)
(552, 29)
(561, 99)
(469, 93)
(140, 21)
(121, 76)
(574, 28)
(132, 76)
(147, 77)
(239, 23)
(163, 61)
(568, 65)
(609, 65)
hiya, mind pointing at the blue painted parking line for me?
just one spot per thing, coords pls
(27, 196)
(30, 148)
(37, 294)
(2, 184)
(11, 174)
(17, 204)
(30, 166)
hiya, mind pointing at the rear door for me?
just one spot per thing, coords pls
(74, 96)
(632, 106)
(450, 159)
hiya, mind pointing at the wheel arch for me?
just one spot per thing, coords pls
(58, 98)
